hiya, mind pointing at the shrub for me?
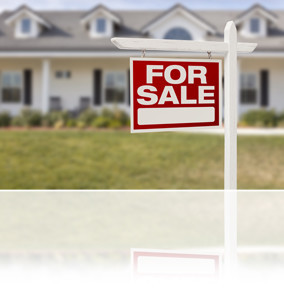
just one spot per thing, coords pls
(115, 124)
(80, 124)
(87, 117)
(5, 119)
(31, 118)
(108, 114)
(17, 121)
(59, 119)
(260, 118)
(59, 124)
(101, 122)
(116, 114)
(71, 123)
(280, 119)
(53, 117)
(122, 117)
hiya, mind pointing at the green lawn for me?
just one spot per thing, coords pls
(119, 160)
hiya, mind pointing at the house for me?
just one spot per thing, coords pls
(52, 60)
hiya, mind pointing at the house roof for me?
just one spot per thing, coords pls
(88, 15)
(256, 8)
(26, 9)
(68, 34)
(176, 7)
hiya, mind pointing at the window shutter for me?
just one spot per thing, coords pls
(264, 88)
(27, 87)
(97, 86)
(128, 87)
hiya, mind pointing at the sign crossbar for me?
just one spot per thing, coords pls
(179, 45)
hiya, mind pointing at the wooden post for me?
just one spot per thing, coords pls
(230, 171)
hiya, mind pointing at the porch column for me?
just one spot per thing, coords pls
(45, 85)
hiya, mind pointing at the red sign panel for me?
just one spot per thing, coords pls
(175, 94)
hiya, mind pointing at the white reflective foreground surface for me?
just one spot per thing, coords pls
(76, 245)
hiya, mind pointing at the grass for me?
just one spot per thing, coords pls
(118, 160)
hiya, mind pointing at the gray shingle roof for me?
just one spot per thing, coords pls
(67, 34)
(177, 6)
(25, 7)
(257, 6)
(97, 7)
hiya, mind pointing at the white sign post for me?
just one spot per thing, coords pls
(230, 139)
(230, 47)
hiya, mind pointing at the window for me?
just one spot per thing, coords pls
(115, 83)
(254, 25)
(178, 33)
(26, 25)
(63, 74)
(11, 85)
(248, 89)
(101, 25)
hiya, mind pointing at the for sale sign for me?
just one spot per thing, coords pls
(175, 94)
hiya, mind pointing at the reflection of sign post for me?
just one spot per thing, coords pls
(170, 94)
(230, 47)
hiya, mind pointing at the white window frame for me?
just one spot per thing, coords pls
(104, 102)
(33, 29)
(21, 88)
(256, 75)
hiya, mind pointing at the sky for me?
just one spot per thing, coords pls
(139, 4)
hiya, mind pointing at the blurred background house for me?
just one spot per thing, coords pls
(64, 60)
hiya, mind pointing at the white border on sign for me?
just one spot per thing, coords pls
(219, 61)
(214, 255)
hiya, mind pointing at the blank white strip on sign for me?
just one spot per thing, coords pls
(175, 266)
(175, 115)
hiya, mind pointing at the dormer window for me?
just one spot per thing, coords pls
(178, 33)
(26, 22)
(100, 22)
(101, 25)
(254, 25)
(255, 21)
(26, 26)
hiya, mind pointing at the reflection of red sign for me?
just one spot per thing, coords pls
(171, 94)
(167, 263)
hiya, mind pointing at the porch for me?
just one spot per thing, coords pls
(57, 83)
(64, 84)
